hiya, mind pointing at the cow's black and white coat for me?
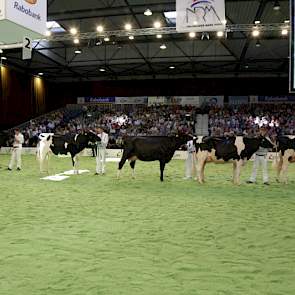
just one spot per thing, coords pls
(151, 148)
(236, 150)
(286, 155)
(72, 144)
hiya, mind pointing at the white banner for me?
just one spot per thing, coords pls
(132, 100)
(31, 14)
(187, 100)
(212, 100)
(2, 9)
(200, 15)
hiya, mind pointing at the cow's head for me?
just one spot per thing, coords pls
(92, 137)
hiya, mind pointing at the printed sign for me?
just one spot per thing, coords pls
(200, 15)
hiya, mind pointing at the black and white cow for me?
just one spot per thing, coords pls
(236, 150)
(62, 145)
(151, 148)
(286, 155)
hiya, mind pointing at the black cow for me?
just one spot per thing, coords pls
(286, 155)
(224, 149)
(151, 148)
(64, 144)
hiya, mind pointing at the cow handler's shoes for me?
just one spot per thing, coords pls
(266, 183)
(249, 181)
(18, 169)
(9, 169)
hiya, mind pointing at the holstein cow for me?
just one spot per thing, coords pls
(151, 148)
(286, 155)
(236, 150)
(62, 145)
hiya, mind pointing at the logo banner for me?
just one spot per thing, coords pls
(95, 99)
(200, 15)
(132, 100)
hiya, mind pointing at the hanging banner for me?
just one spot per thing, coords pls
(238, 100)
(132, 100)
(282, 98)
(200, 15)
(212, 100)
(95, 99)
(292, 48)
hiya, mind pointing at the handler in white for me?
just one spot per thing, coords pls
(16, 150)
(190, 160)
(260, 159)
(101, 151)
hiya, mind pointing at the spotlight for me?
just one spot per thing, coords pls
(163, 46)
(131, 37)
(159, 36)
(98, 42)
(255, 33)
(73, 31)
(157, 25)
(284, 32)
(257, 22)
(78, 51)
(192, 34)
(128, 27)
(102, 70)
(76, 41)
(258, 44)
(1, 51)
(47, 33)
(148, 12)
(3, 58)
(286, 21)
(106, 39)
(40, 74)
(276, 5)
(220, 34)
(99, 29)
(172, 67)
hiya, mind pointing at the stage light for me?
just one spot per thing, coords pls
(128, 27)
(220, 34)
(257, 22)
(157, 25)
(3, 58)
(131, 37)
(284, 32)
(47, 33)
(40, 74)
(102, 70)
(73, 31)
(255, 33)
(163, 46)
(148, 12)
(76, 41)
(106, 39)
(99, 29)
(258, 44)
(192, 34)
(276, 5)
(172, 67)
(78, 51)
(159, 36)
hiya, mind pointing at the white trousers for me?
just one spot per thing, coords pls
(16, 158)
(259, 160)
(100, 160)
(190, 165)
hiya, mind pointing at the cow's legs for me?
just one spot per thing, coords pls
(284, 170)
(162, 167)
(124, 158)
(238, 171)
(132, 165)
(234, 172)
(75, 160)
(200, 170)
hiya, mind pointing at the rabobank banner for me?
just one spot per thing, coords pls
(276, 98)
(200, 15)
(31, 14)
(96, 99)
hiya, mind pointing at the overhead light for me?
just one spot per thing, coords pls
(192, 34)
(258, 44)
(172, 67)
(99, 29)
(220, 34)
(106, 39)
(255, 33)
(1, 51)
(131, 37)
(47, 33)
(40, 74)
(170, 14)
(284, 32)
(102, 70)
(3, 57)
(157, 25)
(224, 22)
(73, 31)
(163, 46)
(246, 67)
(159, 36)
(98, 42)
(148, 12)
(257, 22)
(78, 51)
(276, 5)
(128, 27)
(286, 21)
(76, 41)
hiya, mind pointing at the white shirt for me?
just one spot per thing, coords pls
(18, 141)
(104, 139)
(190, 147)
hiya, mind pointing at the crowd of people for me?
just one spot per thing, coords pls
(163, 120)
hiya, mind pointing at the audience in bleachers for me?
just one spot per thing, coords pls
(162, 120)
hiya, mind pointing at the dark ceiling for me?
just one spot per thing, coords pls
(237, 55)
